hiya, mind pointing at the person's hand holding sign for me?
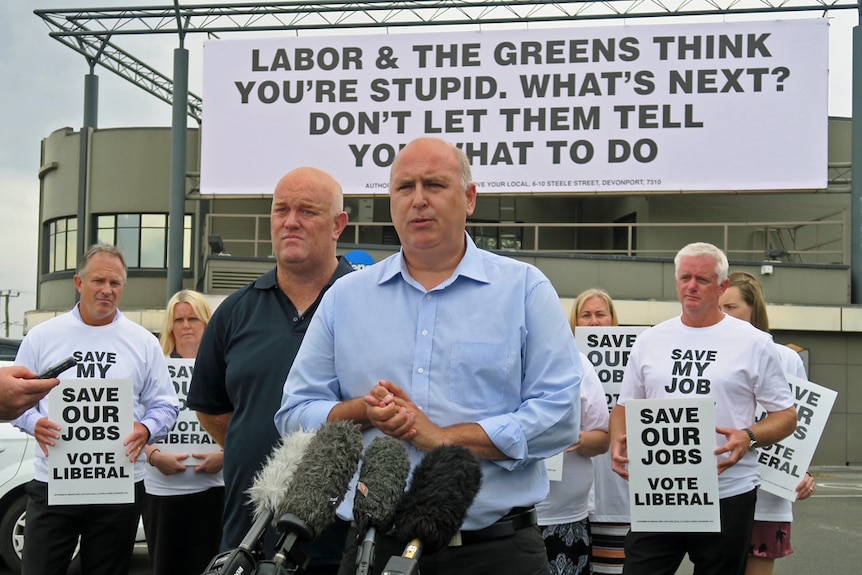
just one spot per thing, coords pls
(45, 432)
(136, 441)
(619, 456)
(736, 447)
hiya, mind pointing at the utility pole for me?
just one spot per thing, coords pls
(6, 294)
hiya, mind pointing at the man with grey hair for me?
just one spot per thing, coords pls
(250, 342)
(743, 369)
(106, 345)
(444, 343)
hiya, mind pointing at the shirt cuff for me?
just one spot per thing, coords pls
(508, 437)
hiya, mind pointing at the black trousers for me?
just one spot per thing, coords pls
(107, 534)
(723, 553)
(183, 531)
(520, 554)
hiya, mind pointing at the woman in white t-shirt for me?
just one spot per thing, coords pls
(563, 515)
(609, 515)
(770, 538)
(183, 503)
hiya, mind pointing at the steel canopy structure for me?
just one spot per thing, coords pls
(93, 32)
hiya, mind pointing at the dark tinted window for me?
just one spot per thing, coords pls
(8, 348)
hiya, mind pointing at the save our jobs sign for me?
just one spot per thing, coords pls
(608, 349)
(673, 485)
(783, 464)
(696, 106)
(187, 436)
(88, 464)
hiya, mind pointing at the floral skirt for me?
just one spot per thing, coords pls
(568, 548)
(770, 539)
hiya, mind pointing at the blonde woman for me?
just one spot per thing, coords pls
(609, 510)
(183, 503)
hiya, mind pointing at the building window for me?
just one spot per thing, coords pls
(62, 244)
(143, 238)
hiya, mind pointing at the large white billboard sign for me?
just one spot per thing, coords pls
(709, 106)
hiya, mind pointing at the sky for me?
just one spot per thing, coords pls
(41, 91)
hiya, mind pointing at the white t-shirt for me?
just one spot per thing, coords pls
(732, 362)
(772, 507)
(568, 500)
(609, 497)
(119, 350)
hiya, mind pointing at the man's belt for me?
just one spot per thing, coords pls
(518, 518)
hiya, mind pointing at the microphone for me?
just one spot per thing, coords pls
(435, 505)
(268, 488)
(382, 478)
(266, 493)
(315, 491)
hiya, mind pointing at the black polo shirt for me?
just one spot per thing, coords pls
(247, 350)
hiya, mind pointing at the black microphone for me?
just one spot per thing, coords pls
(382, 478)
(266, 492)
(435, 505)
(316, 489)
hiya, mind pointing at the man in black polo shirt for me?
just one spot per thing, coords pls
(252, 339)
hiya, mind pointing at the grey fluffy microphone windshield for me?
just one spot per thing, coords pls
(323, 475)
(435, 505)
(272, 480)
(382, 479)
(266, 493)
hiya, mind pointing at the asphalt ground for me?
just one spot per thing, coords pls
(826, 533)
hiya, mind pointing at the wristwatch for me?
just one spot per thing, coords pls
(752, 445)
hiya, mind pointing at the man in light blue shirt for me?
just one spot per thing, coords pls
(444, 343)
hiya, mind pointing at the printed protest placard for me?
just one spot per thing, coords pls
(608, 349)
(187, 435)
(89, 464)
(673, 481)
(554, 467)
(647, 108)
(783, 464)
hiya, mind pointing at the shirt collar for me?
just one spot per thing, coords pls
(471, 266)
(76, 313)
(266, 281)
(269, 281)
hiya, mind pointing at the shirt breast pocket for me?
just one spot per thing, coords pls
(478, 374)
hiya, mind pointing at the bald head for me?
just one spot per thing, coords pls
(306, 220)
(441, 146)
(313, 178)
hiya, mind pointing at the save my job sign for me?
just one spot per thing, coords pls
(88, 464)
(696, 106)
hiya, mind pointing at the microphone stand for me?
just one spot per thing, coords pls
(365, 554)
(289, 558)
(407, 563)
(244, 558)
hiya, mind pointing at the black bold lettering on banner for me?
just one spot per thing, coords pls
(328, 58)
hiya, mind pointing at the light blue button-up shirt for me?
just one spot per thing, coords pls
(490, 345)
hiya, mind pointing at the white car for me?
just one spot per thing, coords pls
(16, 470)
(17, 459)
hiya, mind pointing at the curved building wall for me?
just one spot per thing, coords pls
(129, 173)
(59, 175)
